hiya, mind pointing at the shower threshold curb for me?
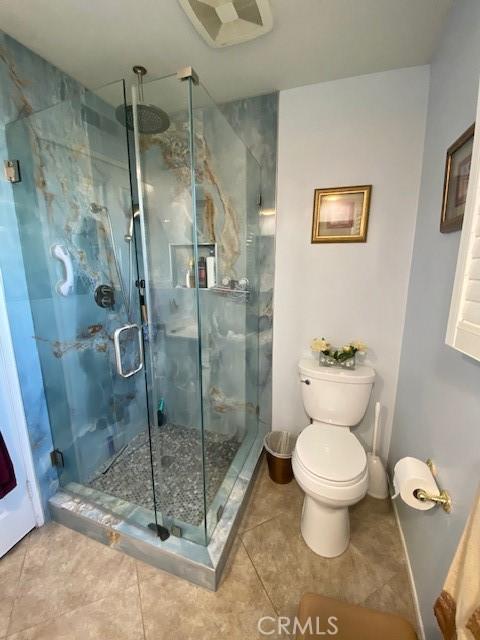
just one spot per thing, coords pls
(202, 565)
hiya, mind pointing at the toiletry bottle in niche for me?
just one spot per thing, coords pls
(211, 275)
(202, 272)
(190, 276)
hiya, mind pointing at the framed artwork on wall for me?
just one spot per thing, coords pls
(341, 214)
(455, 186)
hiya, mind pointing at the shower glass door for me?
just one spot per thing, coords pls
(199, 198)
(165, 235)
(73, 209)
(227, 200)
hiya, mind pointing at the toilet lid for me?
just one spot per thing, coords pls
(360, 375)
(332, 453)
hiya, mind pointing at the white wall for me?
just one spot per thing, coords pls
(438, 400)
(363, 130)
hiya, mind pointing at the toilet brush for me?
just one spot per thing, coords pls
(377, 476)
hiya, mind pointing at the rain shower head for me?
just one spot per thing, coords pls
(151, 119)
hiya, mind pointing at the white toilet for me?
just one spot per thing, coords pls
(329, 463)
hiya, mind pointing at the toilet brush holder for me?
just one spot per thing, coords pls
(377, 475)
(377, 478)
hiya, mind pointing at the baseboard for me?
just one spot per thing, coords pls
(420, 626)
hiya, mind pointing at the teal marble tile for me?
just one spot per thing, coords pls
(27, 84)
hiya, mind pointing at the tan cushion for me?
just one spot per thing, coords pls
(353, 622)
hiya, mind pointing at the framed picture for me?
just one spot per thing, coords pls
(457, 173)
(341, 214)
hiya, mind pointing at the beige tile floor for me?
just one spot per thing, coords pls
(59, 585)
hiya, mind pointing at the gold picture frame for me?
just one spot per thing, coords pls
(455, 183)
(341, 214)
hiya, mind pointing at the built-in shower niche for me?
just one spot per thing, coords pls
(181, 263)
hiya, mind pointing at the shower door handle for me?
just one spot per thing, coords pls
(118, 353)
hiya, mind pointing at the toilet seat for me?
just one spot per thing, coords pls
(331, 454)
(315, 458)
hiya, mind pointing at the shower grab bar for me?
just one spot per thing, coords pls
(64, 287)
(118, 353)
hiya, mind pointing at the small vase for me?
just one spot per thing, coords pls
(329, 361)
(326, 361)
(349, 363)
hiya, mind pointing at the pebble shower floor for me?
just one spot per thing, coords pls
(178, 473)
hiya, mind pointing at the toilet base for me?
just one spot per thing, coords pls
(326, 530)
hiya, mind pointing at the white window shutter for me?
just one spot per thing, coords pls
(463, 331)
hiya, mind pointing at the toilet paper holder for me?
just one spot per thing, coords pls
(443, 498)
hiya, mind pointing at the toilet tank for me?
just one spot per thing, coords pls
(334, 395)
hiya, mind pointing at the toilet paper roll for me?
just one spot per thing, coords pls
(410, 474)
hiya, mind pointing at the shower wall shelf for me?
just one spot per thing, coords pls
(238, 295)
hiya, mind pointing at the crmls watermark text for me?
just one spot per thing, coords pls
(283, 625)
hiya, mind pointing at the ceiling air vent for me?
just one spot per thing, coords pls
(225, 22)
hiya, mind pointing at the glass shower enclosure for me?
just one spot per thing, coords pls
(140, 251)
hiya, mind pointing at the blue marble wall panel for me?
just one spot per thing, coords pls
(231, 170)
(75, 192)
(255, 120)
(227, 189)
(72, 154)
(27, 84)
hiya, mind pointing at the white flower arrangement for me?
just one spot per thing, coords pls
(344, 356)
(320, 344)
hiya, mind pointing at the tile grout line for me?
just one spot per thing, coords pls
(384, 584)
(411, 605)
(65, 613)
(140, 602)
(258, 576)
(20, 575)
(259, 524)
(404, 568)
